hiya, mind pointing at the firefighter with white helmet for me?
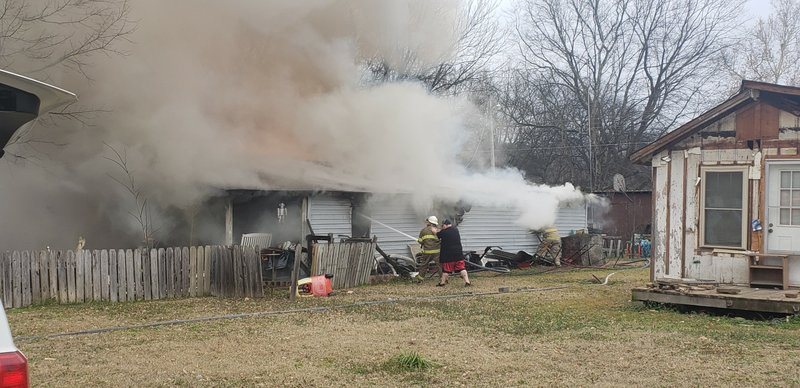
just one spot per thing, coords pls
(430, 247)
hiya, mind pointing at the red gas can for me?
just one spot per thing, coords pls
(315, 285)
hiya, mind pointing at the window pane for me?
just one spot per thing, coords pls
(795, 178)
(786, 179)
(723, 228)
(795, 216)
(724, 189)
(785, 197)
(795, 198)
(784, 217)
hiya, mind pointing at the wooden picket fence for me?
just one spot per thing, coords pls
(34, 277)
(350, 262)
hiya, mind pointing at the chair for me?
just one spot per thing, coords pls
(263, 240)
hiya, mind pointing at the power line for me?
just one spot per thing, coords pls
(575, 146)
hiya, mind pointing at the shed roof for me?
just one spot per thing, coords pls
(748, 92)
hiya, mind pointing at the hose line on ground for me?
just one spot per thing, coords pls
(271, 313)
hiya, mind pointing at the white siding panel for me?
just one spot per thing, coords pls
(660, 220)
(675, 226)
(329, 214)
(402, 217)
(484, 226)
(493, 226)
(692, 220)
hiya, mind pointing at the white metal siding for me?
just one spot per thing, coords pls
(400, 216)
(571, 219)
(484, 226)
(329, 214)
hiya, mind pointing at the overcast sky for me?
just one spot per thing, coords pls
(758, 8)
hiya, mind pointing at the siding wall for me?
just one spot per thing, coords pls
(484, 226)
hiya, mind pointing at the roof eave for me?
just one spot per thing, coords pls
(643, 155)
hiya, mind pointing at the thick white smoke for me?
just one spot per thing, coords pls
(268, 95)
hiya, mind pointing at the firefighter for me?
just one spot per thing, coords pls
(430, 247)
(550, 247)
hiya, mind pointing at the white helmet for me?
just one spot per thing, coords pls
(433, 220)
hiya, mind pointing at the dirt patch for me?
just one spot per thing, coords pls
(585, 334)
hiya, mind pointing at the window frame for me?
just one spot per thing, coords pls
(744, 170)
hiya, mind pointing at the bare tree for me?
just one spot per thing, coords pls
(479, 40)
(769, 51)
(598, 79)
(44, 38)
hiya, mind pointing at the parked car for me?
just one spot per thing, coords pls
(22, 99)
(13, 364)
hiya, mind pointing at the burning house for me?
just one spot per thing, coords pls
(291, 215)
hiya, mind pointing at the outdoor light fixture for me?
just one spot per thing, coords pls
(666, 158)
(281, 212)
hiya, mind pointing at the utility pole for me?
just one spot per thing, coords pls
(491, 131)
(589, 128)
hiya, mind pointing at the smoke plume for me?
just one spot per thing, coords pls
(264, 95)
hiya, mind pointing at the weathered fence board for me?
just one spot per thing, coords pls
(97, 283)
(87, 275)
(63, 288)
(16, 274)
(129, 275)
(162, 273)
(154, 274)
(138, 284)
(7, 279)
(207, 271)
(170, 273)
(80, 277)
(122, 277)
(36, 291)
(193, 271)
(71, 286)
(25, 269)
(52, 269)
(113, 276)
(147, 286)
(105, 280)
(176, 272)
(185, 264)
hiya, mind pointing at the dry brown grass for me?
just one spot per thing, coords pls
(585, 334)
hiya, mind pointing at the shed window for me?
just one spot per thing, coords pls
(724, 207)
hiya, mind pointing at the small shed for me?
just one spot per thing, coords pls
(726, 192)
(623, 214)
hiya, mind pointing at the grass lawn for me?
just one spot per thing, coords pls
(579, 335)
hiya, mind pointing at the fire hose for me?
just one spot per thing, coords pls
(469, 263)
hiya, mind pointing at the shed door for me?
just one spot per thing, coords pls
(783, 200)
(783, 213)
(329, 214)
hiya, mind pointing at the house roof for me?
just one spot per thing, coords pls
(748, 92)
